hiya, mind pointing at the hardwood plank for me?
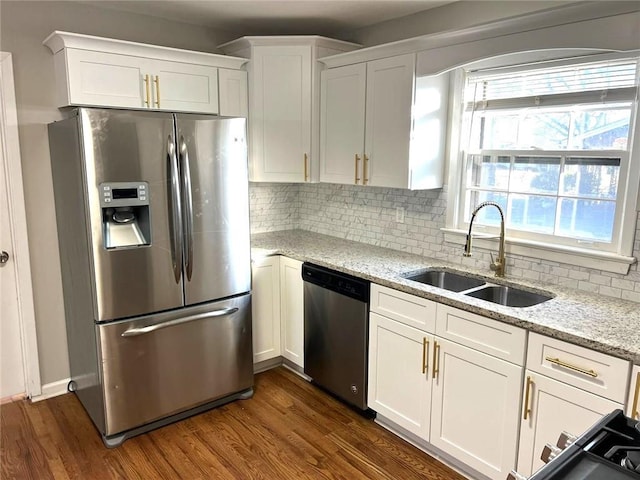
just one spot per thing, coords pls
(289, 430)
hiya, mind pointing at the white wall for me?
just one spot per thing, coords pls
(23, 26)
(453, 16)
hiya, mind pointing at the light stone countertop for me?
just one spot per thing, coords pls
(601, 323)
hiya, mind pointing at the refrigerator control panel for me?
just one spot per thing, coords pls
(124, 194)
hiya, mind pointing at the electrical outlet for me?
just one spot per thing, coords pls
(400, 214)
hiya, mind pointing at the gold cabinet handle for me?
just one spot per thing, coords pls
(156, 80)
(425, 355)
(527, 394)
(146, 88)
(557, 361)
(357, 179)
(635, 410)
(306, 169)
(436, 360)
(365, 167)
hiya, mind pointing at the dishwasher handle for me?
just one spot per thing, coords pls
(338, 282)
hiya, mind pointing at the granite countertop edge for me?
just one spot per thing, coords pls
(597, 322)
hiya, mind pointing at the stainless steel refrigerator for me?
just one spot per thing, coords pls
(153, 227)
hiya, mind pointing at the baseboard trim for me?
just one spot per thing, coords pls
(52, 389)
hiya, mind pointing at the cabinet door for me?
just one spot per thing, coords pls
(184, 87)
(265, 308)
(342, 116)
(280, 104)
(633, 404)
(292, 310)
(553, 407)
(475, 408)
(102, 79)
(234, 99)
(399, 374)
(390, 84)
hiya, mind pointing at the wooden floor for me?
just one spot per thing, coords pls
(288, 430)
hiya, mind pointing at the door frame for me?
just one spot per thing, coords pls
(10, 161)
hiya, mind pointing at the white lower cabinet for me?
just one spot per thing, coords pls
(475, 408)
(292, 310)
(399, 387)
(567, 388)
(633, 404)
(278, 309)
(265, 308)
(551, 408)
(461, 400)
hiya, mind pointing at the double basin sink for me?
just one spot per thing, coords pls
(478, 288)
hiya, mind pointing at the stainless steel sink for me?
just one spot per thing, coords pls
(444, 279)
(508, 296)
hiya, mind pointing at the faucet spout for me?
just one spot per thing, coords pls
(498, 265)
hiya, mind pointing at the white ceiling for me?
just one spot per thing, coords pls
(268, 17)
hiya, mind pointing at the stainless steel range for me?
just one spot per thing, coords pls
(609, 450)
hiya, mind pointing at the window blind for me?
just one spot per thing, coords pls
(611, 81)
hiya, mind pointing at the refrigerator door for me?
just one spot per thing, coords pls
(162, 364)
(215, 203)
(129, 146)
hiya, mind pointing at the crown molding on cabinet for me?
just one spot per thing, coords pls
(59, 40)
(287, 40)
(528, 23)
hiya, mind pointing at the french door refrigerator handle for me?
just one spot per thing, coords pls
(134, 332)
(176, 208)
(188, 201)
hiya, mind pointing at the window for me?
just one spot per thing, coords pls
(551, 143)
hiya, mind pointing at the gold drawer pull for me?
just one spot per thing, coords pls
(557, 361)
(527, 394)
(306, 168)
(157, 82)
(436, 360)
(425, 353)
(365, 166)
(146, 87)
(635, 410)
(357, 179)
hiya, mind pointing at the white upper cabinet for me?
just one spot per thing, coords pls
(234, 98)
(383, 126)
(342, 110)
(284, 91)
(104, 72)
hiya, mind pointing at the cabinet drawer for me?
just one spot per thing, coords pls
(484, 334)
(405, 308)
(594, 372)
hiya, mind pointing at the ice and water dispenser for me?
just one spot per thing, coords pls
(125, 214)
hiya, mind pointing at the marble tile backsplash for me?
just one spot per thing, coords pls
(368, 215)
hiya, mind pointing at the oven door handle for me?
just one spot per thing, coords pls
(134, 332)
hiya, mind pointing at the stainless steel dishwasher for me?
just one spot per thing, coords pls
(336, 332)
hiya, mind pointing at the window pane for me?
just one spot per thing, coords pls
(591, 177)
(488, 171)
(586, 219)
(604, 129)
(532, 213)
(495, 130)
(488, 215)
(546, 130)
(535, 175)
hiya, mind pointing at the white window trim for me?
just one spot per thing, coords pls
(619, 262)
